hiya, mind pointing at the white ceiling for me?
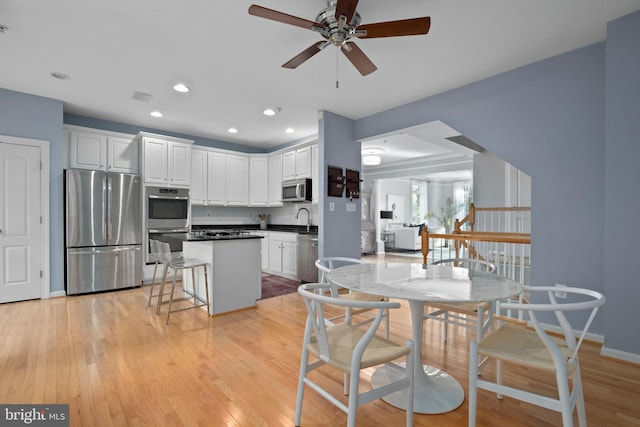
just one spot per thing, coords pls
(232, 61)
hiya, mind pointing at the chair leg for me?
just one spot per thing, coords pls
(446, 326)
(173, 290)
(304, 366)
(473, 379)
(386, 323)
(164, 280)
(353, 400)
(577, 387)
(566, 408)
(206, 289)
(410, 374)
(499, 369)
(153, 283)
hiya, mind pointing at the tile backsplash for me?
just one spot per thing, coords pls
(282, 215)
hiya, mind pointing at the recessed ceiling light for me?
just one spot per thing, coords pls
(371, 160)
(269, 112)
(232, 130)
(289, 130)
(59, 76)
(181, 87)
(156, 114)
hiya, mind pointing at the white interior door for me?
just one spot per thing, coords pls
(20, 222)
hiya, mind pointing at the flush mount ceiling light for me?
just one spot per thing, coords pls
(59, 76)
(371, 160)
(180, 87)
(269, 112)
(372, 150)
(232, 130)
(289, 130)
(156, 114)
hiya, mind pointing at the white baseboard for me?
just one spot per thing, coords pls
(619, 354)
(55, 294)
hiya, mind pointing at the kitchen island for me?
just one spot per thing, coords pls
(233, 271)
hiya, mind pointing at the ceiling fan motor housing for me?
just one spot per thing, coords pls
(334, 32)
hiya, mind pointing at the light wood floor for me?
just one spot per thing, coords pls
(117, 364)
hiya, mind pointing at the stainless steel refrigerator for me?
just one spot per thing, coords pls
(103, 231)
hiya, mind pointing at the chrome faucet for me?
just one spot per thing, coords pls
(308, 217)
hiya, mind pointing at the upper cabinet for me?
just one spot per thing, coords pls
(96, 150)
(258, 181)
(166, 160)
(296, 163)
(222, 179)
(275, 180)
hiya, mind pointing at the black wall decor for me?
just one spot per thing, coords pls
(353, 184)
(335, 181)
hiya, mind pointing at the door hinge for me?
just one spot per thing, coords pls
(41, 274)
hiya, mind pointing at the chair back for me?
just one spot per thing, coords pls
(589, 301)
(327, 264)
(470, 263)
(161, 251)
(316, 326)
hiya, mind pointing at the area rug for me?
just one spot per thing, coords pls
(273, 286)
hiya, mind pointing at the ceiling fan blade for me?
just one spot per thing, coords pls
(358, 58)
(346, 8)
(404, 27)
(304, 55)
(274, 15)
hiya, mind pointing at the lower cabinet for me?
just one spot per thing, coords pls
(283, 254)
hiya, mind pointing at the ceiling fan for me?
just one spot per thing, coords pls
(338, 23)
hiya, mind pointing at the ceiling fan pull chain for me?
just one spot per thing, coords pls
(337, 60)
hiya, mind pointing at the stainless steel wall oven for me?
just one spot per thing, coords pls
(168, 214)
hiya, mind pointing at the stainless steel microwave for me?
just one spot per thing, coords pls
(296, 190)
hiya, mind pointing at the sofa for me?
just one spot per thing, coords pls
(408, 238)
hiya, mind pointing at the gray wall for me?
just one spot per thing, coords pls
(548, 119)
(339, 231)
(29, 116)
(622, 175)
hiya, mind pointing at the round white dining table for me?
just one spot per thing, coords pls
(435, 391)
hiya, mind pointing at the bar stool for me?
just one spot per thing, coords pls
(178, 264)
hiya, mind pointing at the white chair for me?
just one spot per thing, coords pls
(162, 255)
(477, 316)
(326, 265)
(535, 349)
(349, 349)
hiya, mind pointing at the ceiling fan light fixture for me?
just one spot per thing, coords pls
(371, 160)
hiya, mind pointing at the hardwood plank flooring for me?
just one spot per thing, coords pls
(117, 364)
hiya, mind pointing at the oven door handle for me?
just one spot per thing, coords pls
(153, 196)
(170, 230)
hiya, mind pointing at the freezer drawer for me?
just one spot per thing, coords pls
(103, 268)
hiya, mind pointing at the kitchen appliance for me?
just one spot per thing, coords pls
(296, 190)
(167, 208)
(103, 231)
(307, 256)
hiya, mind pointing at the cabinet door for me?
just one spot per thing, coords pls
(179, 164)
(303, 162)
(198, 192)
(258, 181)
(122, 155)
(275, 180)
(216, 178)
(275, 256)
(289, 165)
(155, 161)
(290, 259)
(88, 151)
(237, 180)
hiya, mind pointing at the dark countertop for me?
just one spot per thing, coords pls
(256, 227)
(195, 238)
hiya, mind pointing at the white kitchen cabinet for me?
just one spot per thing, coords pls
(315, 195)
(102, 151)
(237, 180)
(275, 180)
(166, 160)
(296, 163)
(283, 254)
(258, 181)
(198, 194)
(216, 178)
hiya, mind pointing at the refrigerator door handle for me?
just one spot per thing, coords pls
(108, 210)
(104, 208)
